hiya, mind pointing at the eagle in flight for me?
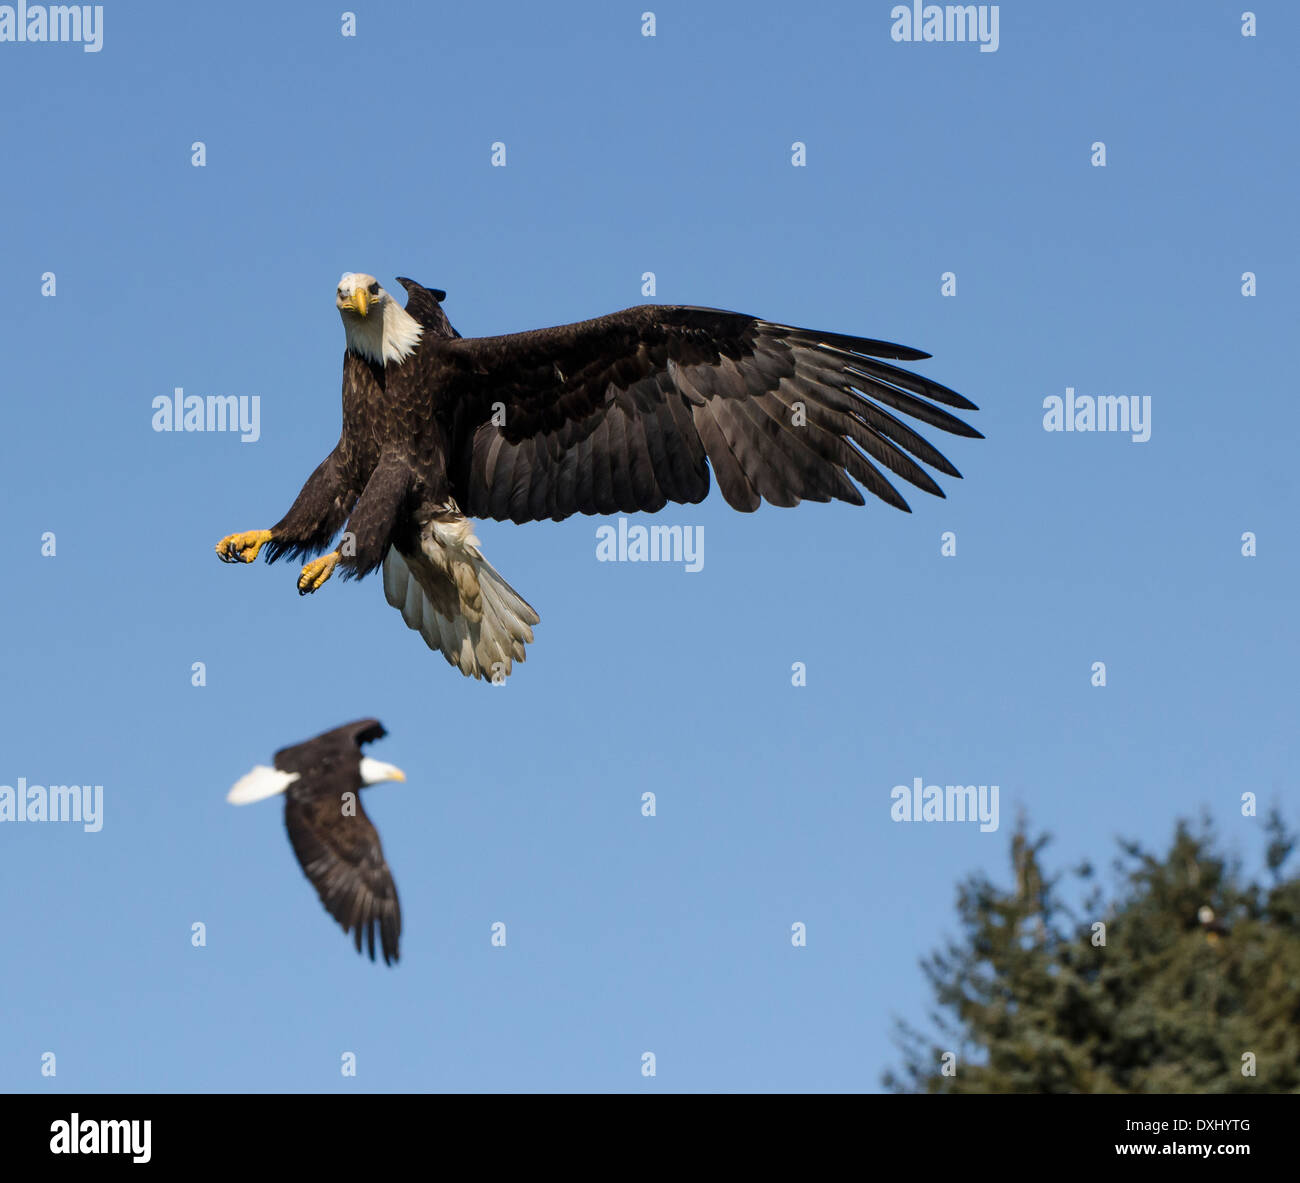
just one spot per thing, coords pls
(335, 842)
(619, 414)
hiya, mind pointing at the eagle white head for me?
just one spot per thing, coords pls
(375, 326)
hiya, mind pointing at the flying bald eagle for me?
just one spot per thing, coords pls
(613, 415)
(335, 841)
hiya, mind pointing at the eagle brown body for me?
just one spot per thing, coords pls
(619, 414)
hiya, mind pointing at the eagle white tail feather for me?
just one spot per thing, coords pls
(485, 632)
(260, 783)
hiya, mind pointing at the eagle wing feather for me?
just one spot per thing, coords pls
(627, 412)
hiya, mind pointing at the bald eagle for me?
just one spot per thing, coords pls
(1214, 928)
(618, 414)
(335, 842)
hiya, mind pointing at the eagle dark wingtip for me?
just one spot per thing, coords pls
(408, 283)
(365, 731)
(893, 351)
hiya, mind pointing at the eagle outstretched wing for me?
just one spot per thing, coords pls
(626, 412)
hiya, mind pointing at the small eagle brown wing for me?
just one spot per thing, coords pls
(340, 852)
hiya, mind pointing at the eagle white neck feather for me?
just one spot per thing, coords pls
(392, 337)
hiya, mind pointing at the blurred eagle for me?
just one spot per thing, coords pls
(619, 414)
(336, 844)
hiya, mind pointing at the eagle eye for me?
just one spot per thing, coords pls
(374, 289)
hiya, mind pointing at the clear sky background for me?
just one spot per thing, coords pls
(627, 154)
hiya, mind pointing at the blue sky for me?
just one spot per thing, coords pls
(627, 154)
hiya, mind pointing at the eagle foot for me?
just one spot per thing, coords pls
(315, 573)
(242, 548)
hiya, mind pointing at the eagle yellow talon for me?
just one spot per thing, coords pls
(315, 573)
(236, 548)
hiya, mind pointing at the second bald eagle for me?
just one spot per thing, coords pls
(613, 415)
(336, 844)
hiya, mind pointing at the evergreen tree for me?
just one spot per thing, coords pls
(1187, 981)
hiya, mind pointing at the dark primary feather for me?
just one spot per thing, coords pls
(340, 852)
(425, 304)
(626, 412)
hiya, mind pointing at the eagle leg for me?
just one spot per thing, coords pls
(315, 573)
(237, 548)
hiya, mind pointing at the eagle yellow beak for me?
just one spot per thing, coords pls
(375, 772)
(360, 301)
